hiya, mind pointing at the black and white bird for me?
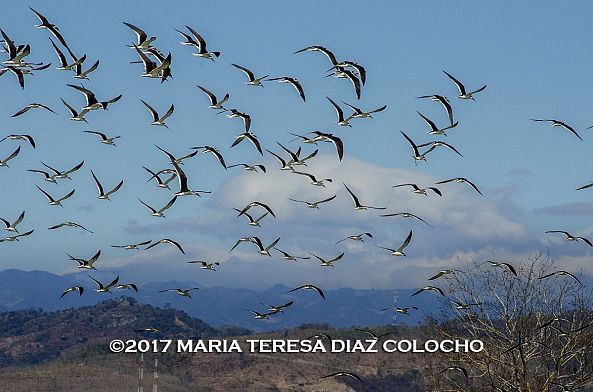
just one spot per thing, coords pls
(102, 288)
(313, 204)
(160, 183)
(56, 202)
(63, 174)
(277, 309)
(241, 240)
(463, 93)
(318, 48)
(327, 262)
(372, 335)
(198, 42)
(166, 241)
(570, 237)
(557, 123)
(322, 136)
(248, 167)
(181, 292)
(135, 246)
(214, 151)
(214, 102)
(102, 194)
(421, 191)
(343, 121)
(359, 69)
(252, 221)
(52, 28)
(80, 74)
(46, 176)
(443, 273)
(181, 177)
(314, 180)
(12, 226)
(399, 251)
(356, 237)
(234, 113)
(264, 251)
(91, 100)
(417, 155)
(309, 287)
(127, 286)
(434, 130)
(430, 288)
(156, 119)
(359, 113)
(86, 263)
(252, 80)
(80, 290)
(257, 204)
(28, 138)
(344, 374)
(205, 264)
(30, 106)
(438, 143)
(151, 69)
(4, 162)
(19, 73)
(290, 257)
(293, 82)
(16, 237)
(258, 315)
(75, 115)
(357, 205)
(443, 101)
(143, 41)
(502, 265)
(65, 65)
(561, 273)
(69, 224)
(252, 137)
(159, 213)
(461, 180)
(407, 215)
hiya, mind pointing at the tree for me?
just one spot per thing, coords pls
(534, 320)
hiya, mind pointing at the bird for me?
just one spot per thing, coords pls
(313, 204)
(318, 48)
(340, 113)
(19, 73)
(430, 288)
(159, 213)
(16, 237)
(214, 151)
(28, 138)
(181, 177)
(80, 290)
(252, 137)
(264, 251)
(434, 130)
(278, 309)
(12, 226)
(456, 368)
(127, 286)
(56, 202)
(214, 102)
(314, 180)
(151, 69)
(329, 262)
(357, 237)
(399, 251)
(241, 240)
(86, 263)
(30, 106)
(461, 179)
(285, 165)
(63, 174)
(294, 83)
(234, 113)
(357, 205)
(64, 64)
(589, 185)
(156, 120)
(148, 329)
(199, 43)
(74, 115)
(258, 315)
(104, 138)
(358, 113)
(354, 79)
(295, 159)
(105, 289)
(443, 273)
(557, 123)
(91, 100)
(253, 222)
(288, 256)
(309, 287)
(249, 167)
(69, 224)
(4, 162)
(344, 374)
(561, 273)
(445, 102)
(463, 306)
(252, 80)
(502, 265)
(438, 143)
(373, 335)
(405, 310)
(421, 191)
(52, 28)
(417, 156)
(102, 194)
(259, 204)
(46, 176)
(181, 292)
(142, 38)
(360, 70)
(322, 136)
(159, 181)
(166, 241)
(570, 237)
(135, 246)
(80, 74)
(205, 265)
(463, 94)
(407, 215)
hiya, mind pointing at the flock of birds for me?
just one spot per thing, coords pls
(173, 177)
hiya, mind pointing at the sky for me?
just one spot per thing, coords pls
(532, 56)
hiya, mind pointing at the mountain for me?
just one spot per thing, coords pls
(221, 306)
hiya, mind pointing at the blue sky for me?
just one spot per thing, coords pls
(533, 56)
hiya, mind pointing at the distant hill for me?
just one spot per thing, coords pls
(220, 306)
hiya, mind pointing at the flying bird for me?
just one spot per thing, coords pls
(357, 237)
(28, 138)
(317, 48)
(438, 143)
(340, 113)
(199, 43)
(561, 273)
(257, 204)
(463, 94)
(420, 191)
(278, 309)
(75, 115)
(442, 273)
(214, 151)
(313, 204)
(56, 202)
(132, 246)
(328, 262)
(407, 215)
(264, 251)
(557, 123)
(309, 287)
(16, 237)
(102, 194)
(91, 100)
(181, 292)
(109, 140)
(159, 213)
(205, 265)
(80, 290)
(105, 289)
(143, 41)
(399, 251)
(357, 205)
(434, 130)
(288, 256)
(461, 179)
(166, 241)
(252, 137)
(214, 102)
(69, 224)
(570, 237)
(252, 80)
(344, 374)
(252, 222)
(156, 119)
(499, 264)
(12, 226)
(359, 113)
(151, 69)
(52, 28)
(430, 288)
(443, 101)
(30, 106)
(4, 162)
(294, 83)
(86, 263)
